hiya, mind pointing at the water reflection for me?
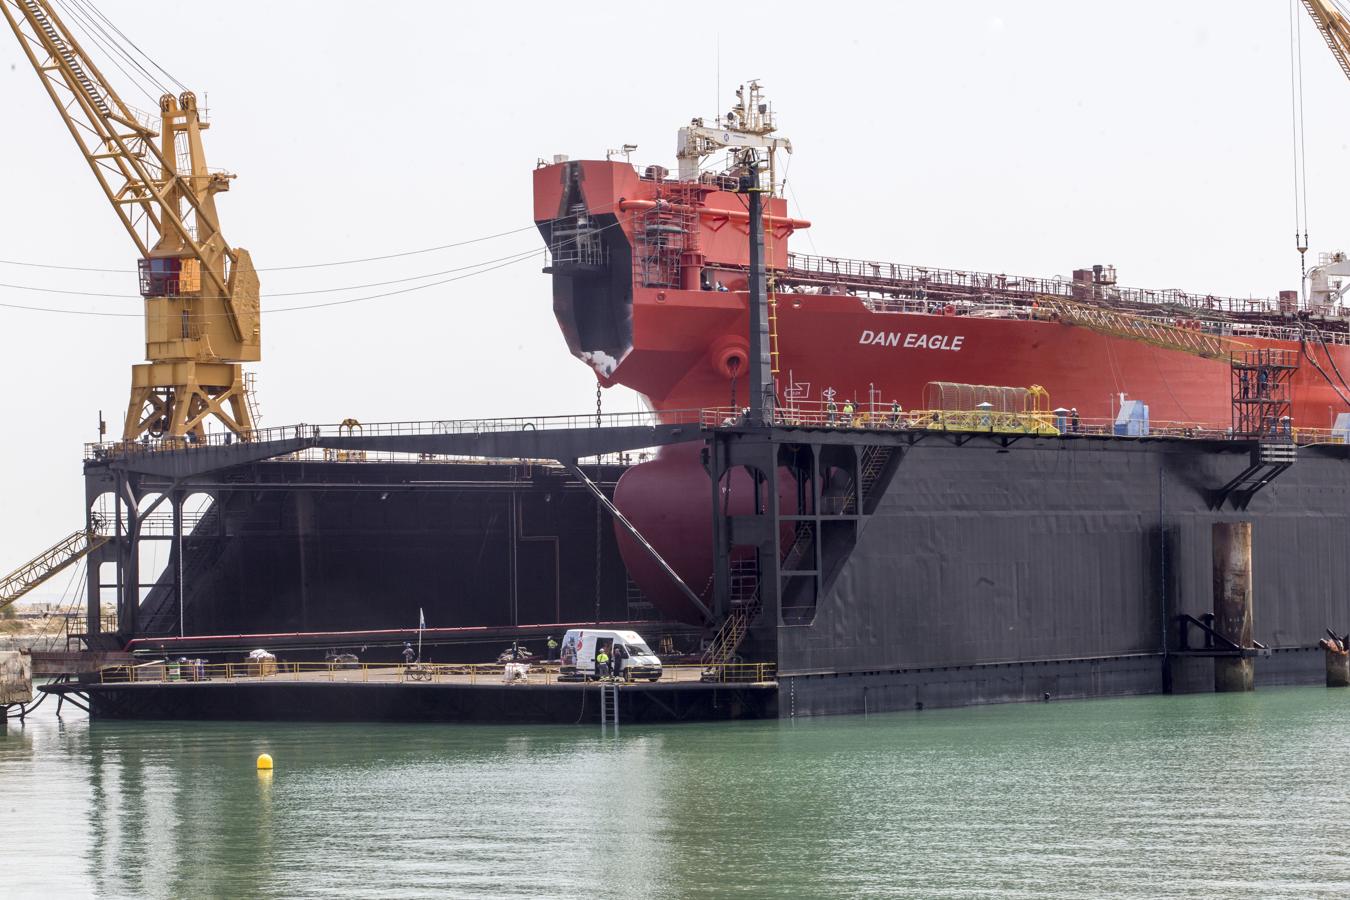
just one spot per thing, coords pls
(1070, 799)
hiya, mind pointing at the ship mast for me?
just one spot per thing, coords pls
(748, 132)
(748, 126)
(201, 295)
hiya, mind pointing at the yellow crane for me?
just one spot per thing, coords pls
(201, 295)
(1335, 29)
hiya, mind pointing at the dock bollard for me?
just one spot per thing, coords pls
(1338, 663)
(265, 762)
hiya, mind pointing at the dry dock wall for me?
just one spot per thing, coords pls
(1057, 566)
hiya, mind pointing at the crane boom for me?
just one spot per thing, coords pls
(1335, 30)
(201, 295)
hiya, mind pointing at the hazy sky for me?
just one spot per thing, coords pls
(1030, 138)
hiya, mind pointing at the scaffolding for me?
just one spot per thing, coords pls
(666, 250)
(1261, 404)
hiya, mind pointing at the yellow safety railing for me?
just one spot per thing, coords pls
(1047, 424)
(270, 671)
(879, 418)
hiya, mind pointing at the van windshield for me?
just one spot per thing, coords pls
(638, 648)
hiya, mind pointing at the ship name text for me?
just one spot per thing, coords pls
(912, 339)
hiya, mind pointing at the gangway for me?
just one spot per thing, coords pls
(60, 555)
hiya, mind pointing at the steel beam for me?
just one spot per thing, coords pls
(642, 541)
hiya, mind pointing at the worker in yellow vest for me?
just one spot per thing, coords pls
(601, 663)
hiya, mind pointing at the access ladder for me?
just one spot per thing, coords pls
(63, 553)
(609, 704)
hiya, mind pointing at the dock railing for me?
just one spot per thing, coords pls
(307, 432)
(187, 671)
(866, 416)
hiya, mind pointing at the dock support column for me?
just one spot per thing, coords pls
(1233, 603)
(1338, 662)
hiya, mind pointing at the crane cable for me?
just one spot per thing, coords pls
(1300, 147)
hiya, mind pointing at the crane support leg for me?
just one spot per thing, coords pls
(177, 398)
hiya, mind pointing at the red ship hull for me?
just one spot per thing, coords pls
(649, 289)
(833, 343)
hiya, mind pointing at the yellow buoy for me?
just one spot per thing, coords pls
(265, 761)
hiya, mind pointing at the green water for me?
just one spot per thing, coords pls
(1199, 796)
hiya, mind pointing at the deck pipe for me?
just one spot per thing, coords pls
(1233, 603)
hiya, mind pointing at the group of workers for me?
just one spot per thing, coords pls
(1254, 385)
(850, 417)
(607, 666)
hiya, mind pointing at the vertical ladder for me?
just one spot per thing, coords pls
(772, 292)
(609, 704)
(251, 400)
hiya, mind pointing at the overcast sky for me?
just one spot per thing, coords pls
(1029, 138)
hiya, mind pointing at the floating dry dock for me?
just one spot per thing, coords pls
(921, 567)
(421, 693)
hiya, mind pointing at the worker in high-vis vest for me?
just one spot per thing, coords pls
(848, 412)
(552, 648)
(601, 663)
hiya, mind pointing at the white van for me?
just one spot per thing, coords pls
(577, 655)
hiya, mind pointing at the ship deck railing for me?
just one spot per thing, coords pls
(956, 282)
(190, 671)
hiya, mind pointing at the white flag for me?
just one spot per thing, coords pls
(421, 619)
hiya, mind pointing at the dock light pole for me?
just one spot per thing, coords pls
(761, 369)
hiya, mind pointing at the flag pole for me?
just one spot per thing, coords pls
(421, 623)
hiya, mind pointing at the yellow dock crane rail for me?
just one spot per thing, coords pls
(201, 295)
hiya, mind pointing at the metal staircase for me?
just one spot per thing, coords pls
(745, 607)
(802, 542)
(63, 553)
(1268, 460)
(159, 609)
(871, 466)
